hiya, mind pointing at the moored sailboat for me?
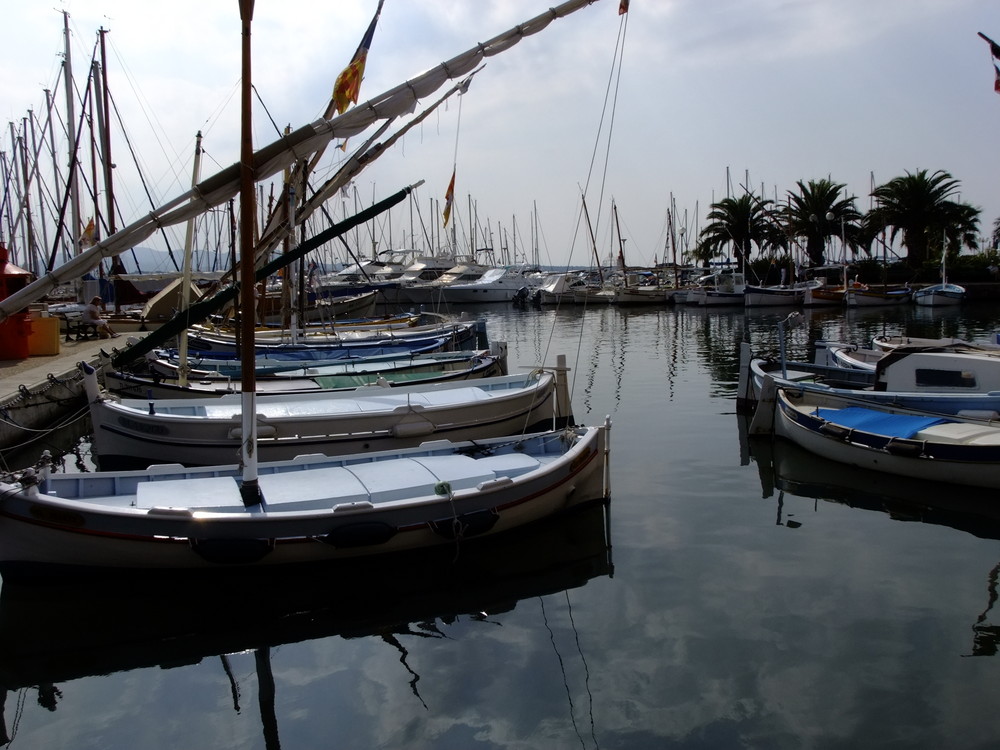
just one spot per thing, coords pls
(943, 294)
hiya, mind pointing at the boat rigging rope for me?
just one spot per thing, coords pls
(609, 108)
(79, 416)
(562, 670)
(586, 667)
(457, 527)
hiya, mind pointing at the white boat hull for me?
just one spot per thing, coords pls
(710, 298)
(772, 296)
(641, 295)
(314, 509)
(873, 298)
(939, 295)
(936, 457)
(208, 431)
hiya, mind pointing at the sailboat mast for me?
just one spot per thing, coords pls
(74, 190)
(535, 258)
(944, 256)
(182, 339)
(250, 488)
(104, 112)
(593, 241)
(621, 245)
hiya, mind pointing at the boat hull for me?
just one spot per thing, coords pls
(314, 509)
(640, 296)
(128, 385)
(824, 297)
(939, 295)
(920, 456)
(874, 298)
(772, 296)
(209, 431)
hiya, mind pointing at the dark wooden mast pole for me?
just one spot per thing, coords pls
(250, 489)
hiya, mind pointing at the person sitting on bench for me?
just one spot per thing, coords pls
(92, 316)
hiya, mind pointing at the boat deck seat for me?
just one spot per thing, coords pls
(960, 433)
(195, 493)
(798, 376)
(324, 488)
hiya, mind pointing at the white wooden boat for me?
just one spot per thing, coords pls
(889, 439)
(951, 380)
(456, 332)
(824, 293)
(313, 508)
(324, 309)
(853, 357)
(130, 433)
(939, 295)
(943, 294)
(886, 343)
(824, 296)
(593, 295)
(652, 294)
(723, 288)
(790, 295)
(876, 297)
(166, 362)
(557, 288)
(348, 375)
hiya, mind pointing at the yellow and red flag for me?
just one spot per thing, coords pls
(87, 237)
(348, 85)
(449, 198)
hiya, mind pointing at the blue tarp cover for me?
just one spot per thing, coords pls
(878, 422)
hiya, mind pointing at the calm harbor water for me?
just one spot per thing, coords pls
(732, 596)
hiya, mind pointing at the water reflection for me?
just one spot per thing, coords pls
(55, 633)
(985, 636)
(787, 468)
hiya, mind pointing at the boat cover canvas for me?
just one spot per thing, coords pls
(878, 422)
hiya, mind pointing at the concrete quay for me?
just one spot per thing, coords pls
(40, 391)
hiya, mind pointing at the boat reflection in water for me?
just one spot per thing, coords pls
(54, 632)
(787, 468)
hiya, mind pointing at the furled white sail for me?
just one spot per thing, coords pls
(275, 157)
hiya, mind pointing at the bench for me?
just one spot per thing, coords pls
(78, 328)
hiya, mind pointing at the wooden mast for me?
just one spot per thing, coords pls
(184, 369)
(250, 488)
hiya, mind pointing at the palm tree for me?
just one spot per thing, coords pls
(921, 208)
(743, 222)
(819, 211)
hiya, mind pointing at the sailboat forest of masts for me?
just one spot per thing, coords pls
(310, 508)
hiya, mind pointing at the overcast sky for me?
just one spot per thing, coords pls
(773, 90)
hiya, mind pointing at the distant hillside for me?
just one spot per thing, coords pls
(150, 260)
